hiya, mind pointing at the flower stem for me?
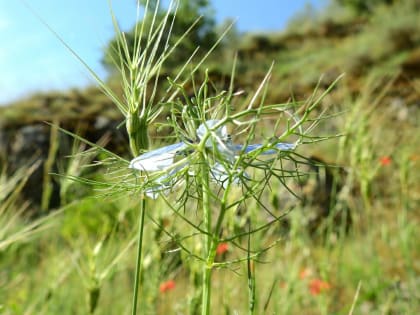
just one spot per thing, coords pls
(139, 256)
(205, 309)
(251, 275)
(208, 266)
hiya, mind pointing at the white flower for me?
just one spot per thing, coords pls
(163, 159)
(220, 175)
(163, 184)
(157, 160)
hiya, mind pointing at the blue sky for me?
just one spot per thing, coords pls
(32, 59)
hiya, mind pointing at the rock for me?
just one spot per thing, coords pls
(24, 141)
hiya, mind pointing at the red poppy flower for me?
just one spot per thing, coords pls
(385, 160)
(167, 286)
(222, 248)
(317, 286)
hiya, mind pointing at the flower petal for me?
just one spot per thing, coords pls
(165, 183)
(220, 175)
(157, 160)
(153, 192)
(218, 139)
(219, 134)
(276, 148)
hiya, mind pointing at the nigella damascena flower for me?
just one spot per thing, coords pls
(217, 141)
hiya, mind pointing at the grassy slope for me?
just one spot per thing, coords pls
(64, 269)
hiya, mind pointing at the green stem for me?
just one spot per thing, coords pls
(212, 240)
(207, 268)
(251, 275)
(205, 308)
(139, 256)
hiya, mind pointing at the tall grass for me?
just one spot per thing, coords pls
(13, 210)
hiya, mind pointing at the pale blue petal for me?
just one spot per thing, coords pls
(157, 160)
(220, 175)
(218, 136)
(167, 149)
(164, 184)
(278, 147)
(154, 191)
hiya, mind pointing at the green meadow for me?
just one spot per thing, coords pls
(327, 225)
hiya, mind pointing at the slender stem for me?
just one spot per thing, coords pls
(211, 242)
(139, 256)
(205, 308)
(251, 275)
(207, 268)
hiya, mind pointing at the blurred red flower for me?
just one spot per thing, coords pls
(317, 286)
(167, 286)
(385, 160)
(305, 273)
(222, 248)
